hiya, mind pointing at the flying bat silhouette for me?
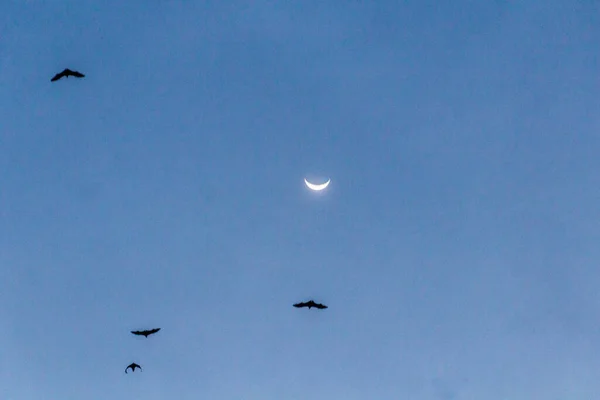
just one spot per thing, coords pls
(133, 366)
(310, 304)
(67, 72)
(147, 332)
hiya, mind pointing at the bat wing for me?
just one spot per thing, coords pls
(57, 76)
(300, 305)
(77, 74)
(137, 332)
(151, 331)
(321, 306)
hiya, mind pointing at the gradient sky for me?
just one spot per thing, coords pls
(457, 245)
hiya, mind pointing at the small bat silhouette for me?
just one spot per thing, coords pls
(67, 72)
(310, 304)
(147, 332)
(133, 366)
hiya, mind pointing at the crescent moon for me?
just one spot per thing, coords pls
(317, 188)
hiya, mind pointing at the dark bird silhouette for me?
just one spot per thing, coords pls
(67, 72)
(147, 332)
(133, 366)
(310, 304)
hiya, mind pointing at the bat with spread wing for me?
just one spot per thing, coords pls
(133, 366)
(310, 304)
(66, 73)
(146, 332)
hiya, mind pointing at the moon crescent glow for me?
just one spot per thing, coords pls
(315, 187)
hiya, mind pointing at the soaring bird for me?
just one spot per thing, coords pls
(147, 332)
(133, 366)
(67, 72)
(310, 304)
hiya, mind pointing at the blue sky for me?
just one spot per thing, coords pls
(457, 245)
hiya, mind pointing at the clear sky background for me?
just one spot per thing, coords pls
(457, 245)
